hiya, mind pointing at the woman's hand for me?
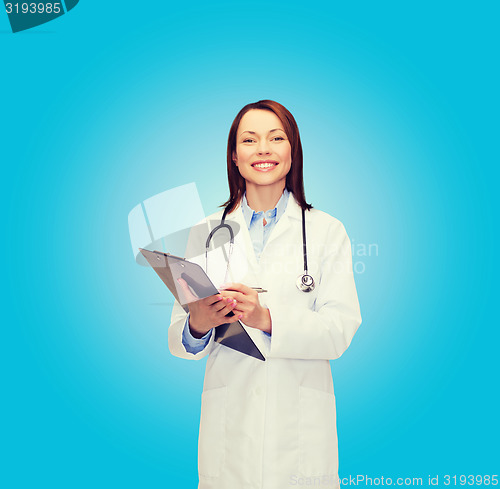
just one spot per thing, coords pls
(248, 307)
(205, 314)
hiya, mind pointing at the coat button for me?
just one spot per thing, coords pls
(258, 391)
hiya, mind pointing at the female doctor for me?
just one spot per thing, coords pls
(271, 424)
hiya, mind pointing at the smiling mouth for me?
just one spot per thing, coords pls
(265, 165)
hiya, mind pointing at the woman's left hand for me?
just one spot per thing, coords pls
(248, 306)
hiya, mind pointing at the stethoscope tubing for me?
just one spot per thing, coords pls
(305, 282)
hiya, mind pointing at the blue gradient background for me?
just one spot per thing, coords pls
(117, 101)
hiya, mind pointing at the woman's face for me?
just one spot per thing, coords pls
(263, 152)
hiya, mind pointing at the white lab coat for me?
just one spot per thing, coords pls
(272, 424)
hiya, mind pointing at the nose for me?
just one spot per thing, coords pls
(263, 147)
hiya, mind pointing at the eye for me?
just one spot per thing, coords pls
(248, 140)
(278, 138)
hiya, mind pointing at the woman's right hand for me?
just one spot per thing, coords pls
(205, 314)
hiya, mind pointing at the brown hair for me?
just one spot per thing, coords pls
(294, 178)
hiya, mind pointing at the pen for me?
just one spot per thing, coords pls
(258, 289)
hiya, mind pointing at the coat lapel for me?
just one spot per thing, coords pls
(243, 237)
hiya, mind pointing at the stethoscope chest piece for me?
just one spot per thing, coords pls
(305, 283)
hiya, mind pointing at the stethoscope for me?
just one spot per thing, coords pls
(305, 282)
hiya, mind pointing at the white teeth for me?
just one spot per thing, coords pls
(264, 165)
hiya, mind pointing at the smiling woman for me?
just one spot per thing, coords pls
(259, 130)
(267, 424)
(263, 156)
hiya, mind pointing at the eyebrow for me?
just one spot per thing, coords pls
(272, 130)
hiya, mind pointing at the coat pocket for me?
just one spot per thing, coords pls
(212, 442)
(318, 455)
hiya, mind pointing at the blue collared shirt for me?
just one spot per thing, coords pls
(259, 234)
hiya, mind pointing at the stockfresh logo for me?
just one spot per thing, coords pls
(26, 15)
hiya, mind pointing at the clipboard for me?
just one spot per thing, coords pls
(170, 268)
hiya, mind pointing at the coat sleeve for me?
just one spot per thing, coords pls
(194, 249)
(326, 331)
(175, 343)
